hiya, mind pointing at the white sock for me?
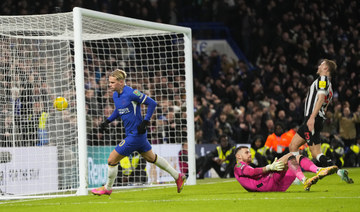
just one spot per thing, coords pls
(339, 172)
(318, 156)
(164, 165)
(295, 153)
(303, 180)
(112, 173)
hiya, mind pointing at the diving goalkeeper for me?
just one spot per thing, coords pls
(277, 176)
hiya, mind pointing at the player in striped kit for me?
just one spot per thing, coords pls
(318, 99)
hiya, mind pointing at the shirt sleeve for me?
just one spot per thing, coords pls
(322, 85)
(246, 170)
(251, 172)
(115, 114)
(151, 107)
(137, 96)
(141, 98)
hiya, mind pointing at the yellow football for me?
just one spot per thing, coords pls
(60, 103)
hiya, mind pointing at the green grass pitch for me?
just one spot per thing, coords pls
(329, 194)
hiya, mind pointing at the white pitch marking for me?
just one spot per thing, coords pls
(178, 200)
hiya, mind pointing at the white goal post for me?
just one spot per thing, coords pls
(49, 153)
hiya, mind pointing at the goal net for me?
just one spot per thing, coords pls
(46, 152)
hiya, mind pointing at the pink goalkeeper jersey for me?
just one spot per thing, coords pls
(253, 179)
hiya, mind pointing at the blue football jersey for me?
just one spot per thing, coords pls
(127, 106)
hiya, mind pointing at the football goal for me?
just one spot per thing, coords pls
(46, 152)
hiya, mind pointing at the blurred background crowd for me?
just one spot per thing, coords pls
(284, 41)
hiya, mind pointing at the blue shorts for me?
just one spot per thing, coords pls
(133, 143)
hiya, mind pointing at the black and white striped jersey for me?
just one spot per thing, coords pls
(321, 85)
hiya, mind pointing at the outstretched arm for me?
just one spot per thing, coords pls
(275, 166)
(249, 171)
(113, 116)
(106, 122)
(244, 170)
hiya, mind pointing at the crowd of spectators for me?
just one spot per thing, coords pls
(284, 40)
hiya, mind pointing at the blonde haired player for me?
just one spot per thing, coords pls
(317, 100)
(127, 106)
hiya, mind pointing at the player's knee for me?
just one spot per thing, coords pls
(292, 157)
(112, 162)
(152, 160)
(150, 157)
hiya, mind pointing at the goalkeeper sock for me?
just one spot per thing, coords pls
(164, 165)
(307, 164)
(295, 169)
(112, 173)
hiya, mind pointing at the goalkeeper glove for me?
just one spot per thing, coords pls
(275, 166)
(143, 126)
(104, 125)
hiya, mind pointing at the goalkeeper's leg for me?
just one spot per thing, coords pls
(294, 167)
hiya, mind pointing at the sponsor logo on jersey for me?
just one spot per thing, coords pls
(122, 111)
(322, 84)
(137, 93)
(240, 165)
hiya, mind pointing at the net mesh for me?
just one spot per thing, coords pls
(39, 152)
(155, 67)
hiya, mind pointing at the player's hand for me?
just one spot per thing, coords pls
(103, 126)
(310, 124)
(143, 126)
(275, 166)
